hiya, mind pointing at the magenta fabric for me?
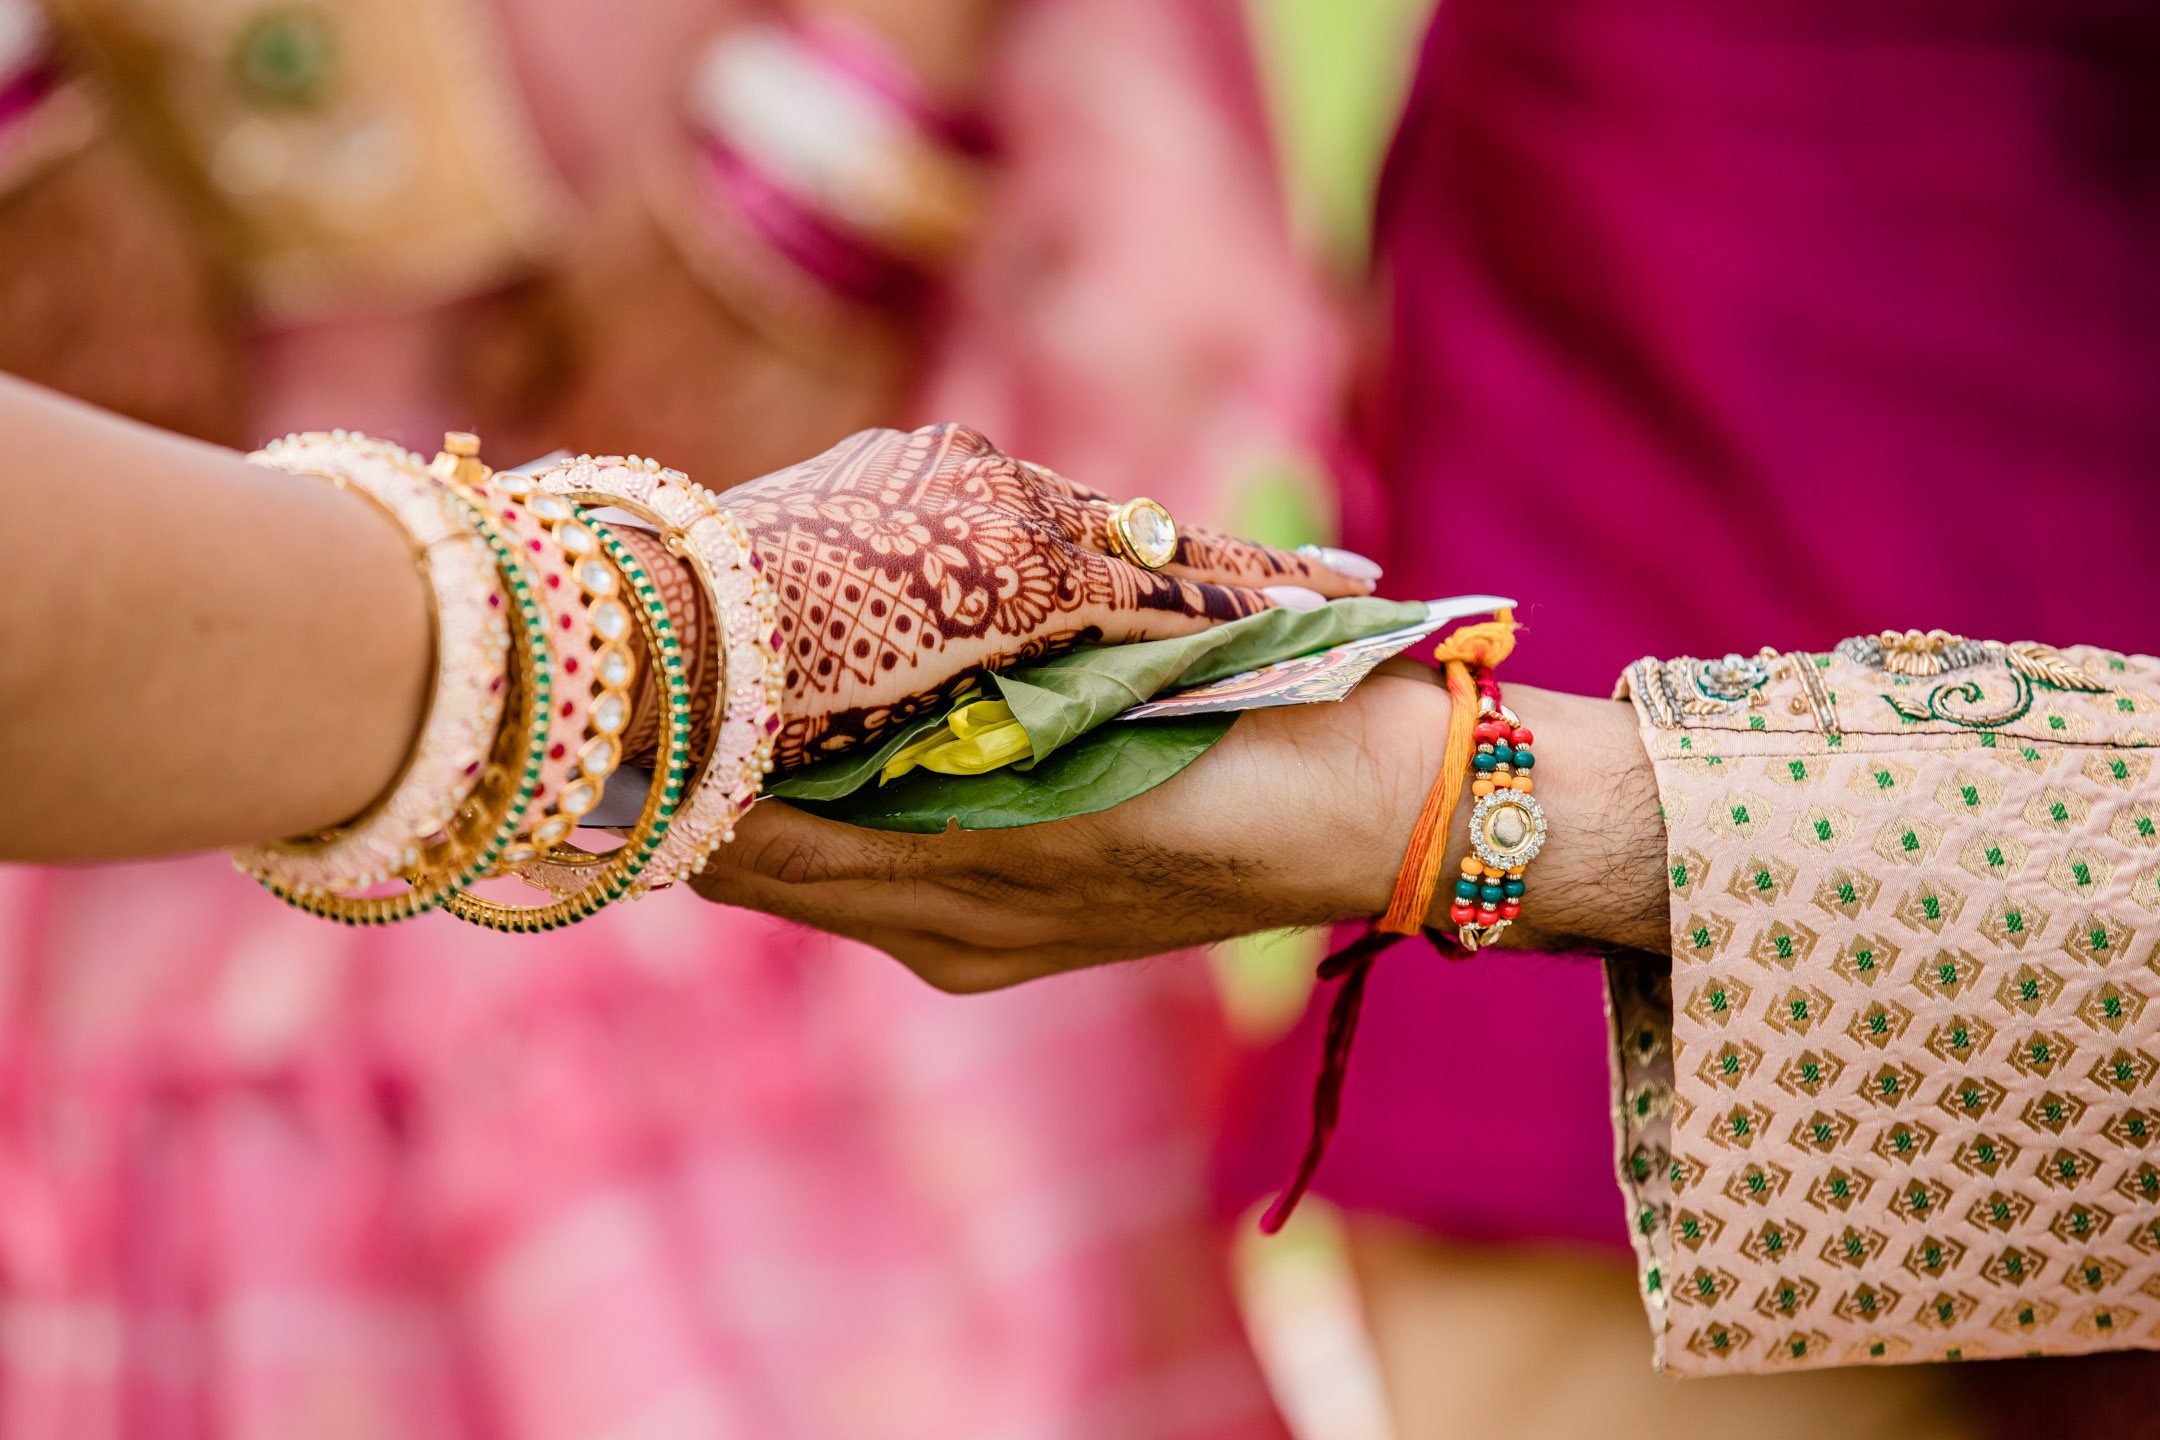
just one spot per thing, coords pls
(1847, 315)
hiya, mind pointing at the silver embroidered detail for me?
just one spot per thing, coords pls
(1916, 654)
(1733, 678)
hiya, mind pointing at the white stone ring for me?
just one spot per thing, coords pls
(1142, 531)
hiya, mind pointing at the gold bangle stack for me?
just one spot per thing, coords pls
(536, 606)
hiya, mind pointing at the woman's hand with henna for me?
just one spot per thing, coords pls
(908, 564)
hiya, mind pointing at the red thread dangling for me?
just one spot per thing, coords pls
(1353, 966)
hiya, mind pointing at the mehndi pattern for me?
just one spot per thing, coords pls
(894, 549)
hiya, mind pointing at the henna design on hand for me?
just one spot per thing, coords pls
(909, 564)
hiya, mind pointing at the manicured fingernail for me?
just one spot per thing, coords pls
(1294, 597)
(1342, 562)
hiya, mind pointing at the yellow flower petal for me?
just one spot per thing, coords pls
(976, 737)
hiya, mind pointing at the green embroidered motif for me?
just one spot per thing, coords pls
(2028, 666)
(1955, 704)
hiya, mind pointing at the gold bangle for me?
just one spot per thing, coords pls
(591, 635)
(735, 757)
(606, 883)
(429, 830)
(488, 818)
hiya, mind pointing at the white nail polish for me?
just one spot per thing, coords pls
(1294, 597)
(1342, 562)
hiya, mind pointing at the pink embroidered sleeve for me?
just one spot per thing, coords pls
(1895, 1099)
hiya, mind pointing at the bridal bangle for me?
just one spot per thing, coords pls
(745, 612)
(613, 875)
(414, 832)
(593, 675)
(536, 604)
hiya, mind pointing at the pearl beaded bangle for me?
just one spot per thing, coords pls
(745, 610)
(533, 602)
(620, 872)
(592, 633)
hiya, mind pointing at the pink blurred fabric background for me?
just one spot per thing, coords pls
(683, 1171)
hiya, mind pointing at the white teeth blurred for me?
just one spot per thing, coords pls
(1343, 562)
(1294, 597)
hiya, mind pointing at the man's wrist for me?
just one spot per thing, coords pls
(1599, 881)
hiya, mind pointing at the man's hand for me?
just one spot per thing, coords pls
(1298, 817)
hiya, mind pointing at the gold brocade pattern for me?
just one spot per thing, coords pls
(368, 154)
(1897, 1100)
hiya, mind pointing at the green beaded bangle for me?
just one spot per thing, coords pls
(614, 879)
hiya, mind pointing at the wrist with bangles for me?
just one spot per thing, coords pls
(548, 621)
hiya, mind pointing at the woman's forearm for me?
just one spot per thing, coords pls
(198, 652)
(206, 652)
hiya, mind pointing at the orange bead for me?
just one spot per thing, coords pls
(1481, 787)
(1522, 783)
(1471, 865)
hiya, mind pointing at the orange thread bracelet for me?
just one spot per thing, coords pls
(1482, 646)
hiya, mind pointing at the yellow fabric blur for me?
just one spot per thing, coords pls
(977, 737)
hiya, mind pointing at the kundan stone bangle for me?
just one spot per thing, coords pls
(469, 779)
(745, 611)
(590, 631)
(619, 873)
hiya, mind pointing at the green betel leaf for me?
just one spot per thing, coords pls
(1081, 764)
(1061, 699)
(844, 775)
(1103, 768)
